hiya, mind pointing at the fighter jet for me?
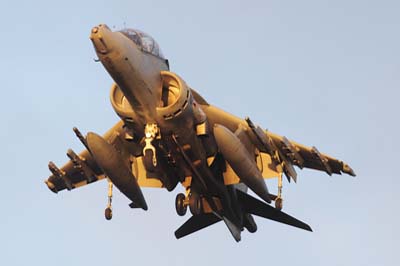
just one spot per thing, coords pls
(168, 134)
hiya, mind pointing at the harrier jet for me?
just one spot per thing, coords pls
(168, 134)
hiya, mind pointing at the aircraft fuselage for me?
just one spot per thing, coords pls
(136, 72)
(163, 100)
(168, 134)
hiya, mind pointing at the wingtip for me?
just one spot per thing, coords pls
(348, 170)
(304, 226)
(51, 186)
(176, 235)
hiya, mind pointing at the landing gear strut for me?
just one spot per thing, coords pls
(108, 210)
(279, 200)
(151, 131)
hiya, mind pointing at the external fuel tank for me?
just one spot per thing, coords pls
(236, 154)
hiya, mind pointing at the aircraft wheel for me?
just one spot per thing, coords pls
(148, 161)
(195, 204)
(180, 204)
(278, 203)
(108, 213)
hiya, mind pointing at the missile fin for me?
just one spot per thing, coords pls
(81, 137)
(80, 164)
(60, 174)
(321, 158)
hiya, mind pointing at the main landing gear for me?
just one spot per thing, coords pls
(193, 200)
(180, 204)
(108, 210)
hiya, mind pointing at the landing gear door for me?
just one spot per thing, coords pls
(267, 166)
(141, 175)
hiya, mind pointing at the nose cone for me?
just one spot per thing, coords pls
(100, 37)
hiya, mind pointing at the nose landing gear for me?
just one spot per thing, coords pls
(108, 210)
(151, 131)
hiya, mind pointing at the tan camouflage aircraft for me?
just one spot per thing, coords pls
(169, 134)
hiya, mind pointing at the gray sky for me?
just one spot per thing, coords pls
(323, 73)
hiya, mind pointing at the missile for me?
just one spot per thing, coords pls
(112, 164)
(59, 174)
(241, 161)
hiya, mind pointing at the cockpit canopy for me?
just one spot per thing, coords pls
(143, 41)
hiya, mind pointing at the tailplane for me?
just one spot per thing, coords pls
(201, 221)
(196, 223)
(259, 208)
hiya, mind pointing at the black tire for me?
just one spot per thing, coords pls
(108, 213)
(195, 204)
(180, 207)
(278, 204)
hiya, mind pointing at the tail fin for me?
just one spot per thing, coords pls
(196, 223)
(256, 207)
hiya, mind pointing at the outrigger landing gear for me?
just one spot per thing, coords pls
(279, 200)
(108, 210)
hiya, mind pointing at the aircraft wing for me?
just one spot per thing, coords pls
(309, 157)
(275, 154)
(72, 175)
(81, 169)
(285, 153)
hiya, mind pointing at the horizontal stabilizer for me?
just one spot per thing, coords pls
(134, 205)
(256, 207)
(196, 223)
